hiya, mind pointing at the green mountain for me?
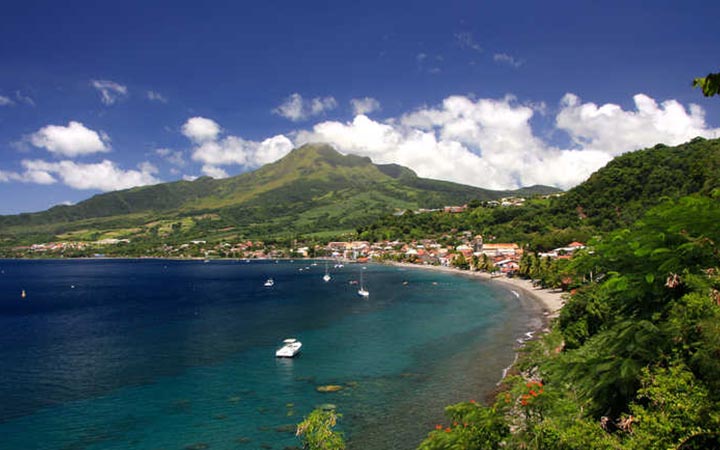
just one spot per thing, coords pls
(614, 196)
(621, 192)
(312, 189)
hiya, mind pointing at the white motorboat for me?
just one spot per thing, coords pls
(290, 348)
(269, 282)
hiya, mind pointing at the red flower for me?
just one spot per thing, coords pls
(447, 430)
(473, 401)
(438, 427)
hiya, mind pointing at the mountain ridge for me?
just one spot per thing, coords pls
(308, 190)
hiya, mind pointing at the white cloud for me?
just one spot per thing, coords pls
(234, 150)
(296, 109)
(611, 129)
(110, 91)
(5, 101)
(156, 97)
(214, 151)
(365, 105)
(6, 177)
(189, 177)
(24, 99)
(175, 158)
(200, 129)
(214, 171)
(73, 140)
(29, 176)
(103, 176)
(491, 143)
(508, 59)
(466, 40)
(319, 105)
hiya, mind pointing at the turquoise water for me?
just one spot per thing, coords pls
(128, 354)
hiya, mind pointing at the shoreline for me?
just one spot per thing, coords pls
(550, 301)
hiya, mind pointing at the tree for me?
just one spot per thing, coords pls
(710, 84)
(316, 431)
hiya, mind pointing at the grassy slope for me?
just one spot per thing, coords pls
(314, 188)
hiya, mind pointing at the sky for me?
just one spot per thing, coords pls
(99, 96)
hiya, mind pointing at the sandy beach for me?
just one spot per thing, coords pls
(550, 300)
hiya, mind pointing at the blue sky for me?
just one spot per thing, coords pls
(97, 96)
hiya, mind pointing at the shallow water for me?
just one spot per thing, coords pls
(153, 354)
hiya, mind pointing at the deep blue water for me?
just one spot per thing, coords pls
(153, 354)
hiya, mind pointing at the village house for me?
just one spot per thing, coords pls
(501, 249)
(563, 252)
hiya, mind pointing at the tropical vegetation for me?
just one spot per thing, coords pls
(312, 190)
(633, 360)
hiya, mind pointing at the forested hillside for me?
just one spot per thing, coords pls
(634, 360)
(614, 196)
(313, 189)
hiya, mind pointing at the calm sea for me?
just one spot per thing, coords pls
(154, 354)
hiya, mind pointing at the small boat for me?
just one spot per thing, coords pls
(23, 294)
(362, 292)
(290, 348)
(327, 276)
(269, 282)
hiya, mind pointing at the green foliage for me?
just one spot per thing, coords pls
(709, 84)
(618, 194)
(656, 302)
(671, 406)
(472, 426)
(461, 262)
(634, 360)
(316, 431)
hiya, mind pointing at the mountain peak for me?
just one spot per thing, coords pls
(326, 153)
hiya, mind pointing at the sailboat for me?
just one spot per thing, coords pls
(362, 292)
(327, 276)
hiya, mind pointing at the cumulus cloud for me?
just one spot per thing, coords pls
(110, 91)
(510, 60)
(214, 171)
(365, 105)
(296, 108)
(156, 97)
(6, 176)
(200, 129)
(103, 176)
(6, 101)
(611, 129)
(491, 143)
(72, 140)
(213, 150)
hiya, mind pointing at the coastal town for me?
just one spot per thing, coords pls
(461, 249)
(472, 252)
